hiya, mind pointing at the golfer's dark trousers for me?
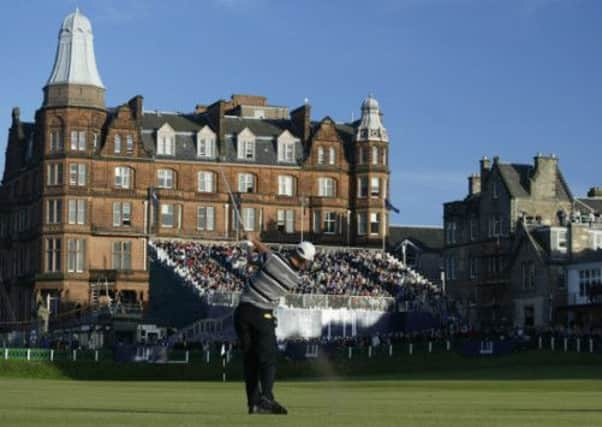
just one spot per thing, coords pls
(255, 328)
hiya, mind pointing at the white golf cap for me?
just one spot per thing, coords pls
(306, 250)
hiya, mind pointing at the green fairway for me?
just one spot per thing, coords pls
(25, 402)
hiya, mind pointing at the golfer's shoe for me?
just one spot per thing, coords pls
(266, 406)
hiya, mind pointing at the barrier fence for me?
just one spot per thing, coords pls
(305, 350)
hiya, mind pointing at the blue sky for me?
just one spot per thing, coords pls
(456, 79)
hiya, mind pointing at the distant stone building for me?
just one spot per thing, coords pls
(85, 186)
(483, 231)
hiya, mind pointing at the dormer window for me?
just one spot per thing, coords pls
(166, 141)
(286, 148)
(205, 143)
(321, 156)
(130, 144)
(117, 144)
(332, 156)
(495, 190)
(246, 145)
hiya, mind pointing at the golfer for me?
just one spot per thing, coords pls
(255, 323)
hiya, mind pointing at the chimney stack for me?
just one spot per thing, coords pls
(485, 167)
(474, 184)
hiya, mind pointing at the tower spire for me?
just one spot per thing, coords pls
(371, 127)
(74, 79)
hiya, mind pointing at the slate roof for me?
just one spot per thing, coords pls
(594, 203)
(427, 238)
(265, 151)
(517, 180)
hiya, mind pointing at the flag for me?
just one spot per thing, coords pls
(390, 207)
(153, 196)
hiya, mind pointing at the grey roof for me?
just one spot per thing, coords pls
(594, 203)
(266, 130)
(427, 238)
(260, 127)
(179, 122)
(517, 179)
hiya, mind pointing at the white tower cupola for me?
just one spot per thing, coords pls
(74, 79)
(371, 127)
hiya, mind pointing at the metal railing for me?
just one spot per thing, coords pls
(313, 301)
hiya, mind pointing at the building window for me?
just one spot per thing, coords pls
(78, 140)
(246, 148)
(321, 156)
(561, 243)
(362, 223)
(588, 279)
(330, 222)
(450, 232)
(374, 223)
(129, 144)
(167, 215)
(473, 228)
(166, 145)
(473, 267)
(56, 141)
(495, 226)
(77, 174)
(165, 178)
(326, 187)
(53, 255)
(54, 211)
(206, 218)
(95, 141)
(75, 255)
(246, 183)
(206, 182)
(206, 147)
(122, 214)
(117, 144)
(123, 177)
(362, 187)
(374, 187)
(77, 211)
(286, 151)
(122, 255)
(55, 174)
(596, 240)
(316, 222)
(374, 155)
(529, 315)
(286, 185)
(384, 151)
(332, 156)
(285, 220)
(495, 189)
(248, 219)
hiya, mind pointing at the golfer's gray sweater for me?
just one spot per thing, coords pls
(274, 279)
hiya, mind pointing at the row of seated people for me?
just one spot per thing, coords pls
(224, 268)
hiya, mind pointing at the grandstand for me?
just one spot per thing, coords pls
(345, 291)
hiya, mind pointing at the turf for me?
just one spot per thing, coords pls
(26, 402)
